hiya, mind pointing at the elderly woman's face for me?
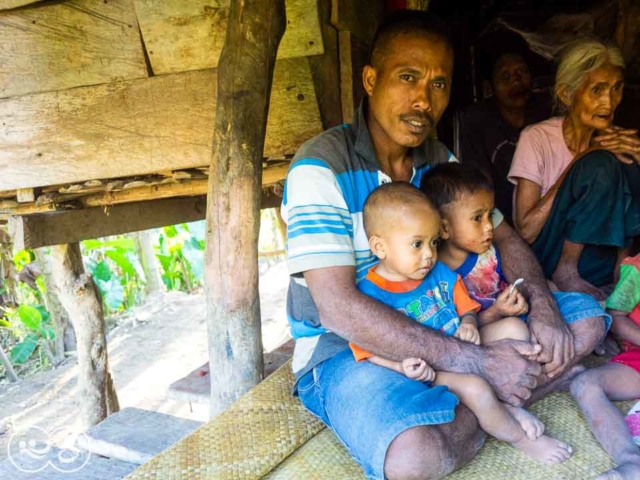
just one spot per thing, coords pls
(596, 100)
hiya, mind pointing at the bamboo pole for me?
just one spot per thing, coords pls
(245, 74)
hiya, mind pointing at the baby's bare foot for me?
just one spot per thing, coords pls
(626, 471)
(545, 449)
(531, 424)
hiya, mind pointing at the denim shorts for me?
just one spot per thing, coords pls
(367, 406)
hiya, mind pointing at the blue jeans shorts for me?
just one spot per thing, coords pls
(367, 406)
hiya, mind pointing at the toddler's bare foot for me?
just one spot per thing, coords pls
(531, 424)
(545, 449)
(626, 471)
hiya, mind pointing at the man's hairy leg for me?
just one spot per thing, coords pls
(587, 333)
(450, 446)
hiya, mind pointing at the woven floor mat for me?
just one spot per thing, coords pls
(245, 442)
(257, 434)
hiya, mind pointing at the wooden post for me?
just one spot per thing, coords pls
(245, 74)
(144, 244)
(80, 297)
(65, 340)
(6, 363)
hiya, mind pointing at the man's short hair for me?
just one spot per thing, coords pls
(448, 182)
(386, 203)
(406, 22)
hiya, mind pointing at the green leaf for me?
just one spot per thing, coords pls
(30, 316)
(44, 313)
(171, 231)
(21, 352)
(4, 323)
(122, 261)
(102, 271)
(125, 244)
(22, 258)
(112, 293)
(47, 332)
(41, 284)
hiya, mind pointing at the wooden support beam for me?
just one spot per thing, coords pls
(346, 77)
(139, 127)
(246, 68)
(42, 230)
(9, 4)
(81, 298)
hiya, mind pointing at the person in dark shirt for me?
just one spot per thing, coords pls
(491, 128)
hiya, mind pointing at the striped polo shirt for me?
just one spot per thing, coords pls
(328, 182)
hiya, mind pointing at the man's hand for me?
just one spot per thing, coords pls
(624, 143)
(417, 369)
(505, 365)
(557, 344)
(511, 304)
(468, 332)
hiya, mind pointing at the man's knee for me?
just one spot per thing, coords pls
(587, 334)
(450, 446)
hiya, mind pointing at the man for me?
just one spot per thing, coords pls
(491, 128)
(383, 418)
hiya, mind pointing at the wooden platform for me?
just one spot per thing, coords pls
(195, 387)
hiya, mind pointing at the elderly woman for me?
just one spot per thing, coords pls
(577, 198)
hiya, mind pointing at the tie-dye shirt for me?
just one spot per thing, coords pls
(483, 277)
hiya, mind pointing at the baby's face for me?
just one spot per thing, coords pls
(470, 223)
(411, 244)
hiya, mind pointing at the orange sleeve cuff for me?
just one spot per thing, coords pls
(359, 353)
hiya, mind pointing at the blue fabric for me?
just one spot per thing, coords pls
(367, 406)
(431, 303)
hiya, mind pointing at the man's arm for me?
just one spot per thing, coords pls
(545, 322)
(390, 334)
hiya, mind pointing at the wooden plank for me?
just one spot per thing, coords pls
(69, 44)
(42, 230)
(138, 127)
(360, 17)
(26, 195)
(346, 76)
(181, 36)
(9, 4)
(326, 71)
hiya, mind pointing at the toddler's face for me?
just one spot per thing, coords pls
(409, 248)
(470, 224)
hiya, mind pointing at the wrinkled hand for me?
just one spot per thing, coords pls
(557, 345)
(468, 333)
(504, 364)
(624, 143)
(417, 369)
(511, 305)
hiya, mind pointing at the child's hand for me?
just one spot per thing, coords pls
(468, 332)
(417, 369)
(511, 305)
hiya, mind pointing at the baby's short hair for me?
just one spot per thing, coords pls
(386, 201)
(448, 182)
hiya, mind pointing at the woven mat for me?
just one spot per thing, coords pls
(257, 434)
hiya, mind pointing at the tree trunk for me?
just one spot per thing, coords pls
(245, 73)
(144, 244)
(81, 298)
(11, 373)
(65, 340)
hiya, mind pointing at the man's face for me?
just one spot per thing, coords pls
(408, 89)
(511, 80)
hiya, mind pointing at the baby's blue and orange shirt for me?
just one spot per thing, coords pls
(437, 301)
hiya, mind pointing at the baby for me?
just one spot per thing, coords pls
(403, 228)
(594, 390)
(465, 200)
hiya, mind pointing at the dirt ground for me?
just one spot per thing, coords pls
(152, 346)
